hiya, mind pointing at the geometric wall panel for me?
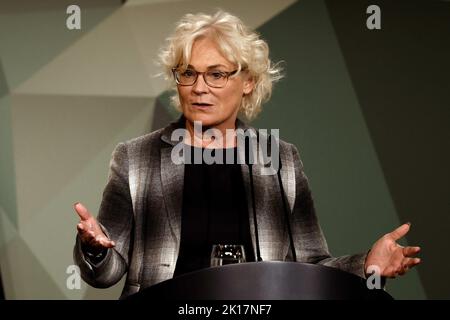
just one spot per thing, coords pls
(400, 76)
(79, 154)
(316, 108)
(7, 183)
(32, 33)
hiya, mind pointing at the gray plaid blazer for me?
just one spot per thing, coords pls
(141, 212)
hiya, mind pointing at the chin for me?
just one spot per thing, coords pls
(207, 120)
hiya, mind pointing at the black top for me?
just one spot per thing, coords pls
(214, 212)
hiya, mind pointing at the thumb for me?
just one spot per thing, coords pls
(400, 231)
(82, 212)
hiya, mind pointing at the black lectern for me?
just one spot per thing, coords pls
(263, 281)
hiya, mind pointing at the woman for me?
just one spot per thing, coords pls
(159, 217)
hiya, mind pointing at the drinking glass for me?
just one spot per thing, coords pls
(223, 254)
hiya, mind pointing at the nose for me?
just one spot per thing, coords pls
(200, 85)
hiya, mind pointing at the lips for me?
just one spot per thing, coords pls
(201, 104)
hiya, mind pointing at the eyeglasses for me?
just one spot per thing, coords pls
(213, 78)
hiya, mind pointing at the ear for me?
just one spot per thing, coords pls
(249, 85)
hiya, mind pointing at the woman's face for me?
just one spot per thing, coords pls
(219, 106)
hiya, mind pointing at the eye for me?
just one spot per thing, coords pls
(216, 74)
(188, 73)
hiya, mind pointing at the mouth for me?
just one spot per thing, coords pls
(201, 104)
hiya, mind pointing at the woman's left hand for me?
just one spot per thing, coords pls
(391, 258)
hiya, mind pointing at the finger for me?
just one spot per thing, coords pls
(87, 237)
(84, 230)
(410, 251)
(408, 264)
(108, 243)
(83, 213)
(81, 228)
(403, 271)
(400, 231)
(85, 225)
(104, 242)
(411, 262)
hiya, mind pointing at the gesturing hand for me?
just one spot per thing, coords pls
(390, 257)
(89, 230)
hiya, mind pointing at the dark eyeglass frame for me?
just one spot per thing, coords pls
(228, 74)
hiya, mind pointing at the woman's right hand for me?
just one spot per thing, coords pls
(89, 230)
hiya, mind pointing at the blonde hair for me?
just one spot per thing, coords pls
(238, 43)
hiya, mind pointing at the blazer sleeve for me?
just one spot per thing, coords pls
(310, 243)
(116, 220)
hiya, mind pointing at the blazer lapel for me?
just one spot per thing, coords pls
(288, 175)
(268, 205)
(172, 178)
(259, 211)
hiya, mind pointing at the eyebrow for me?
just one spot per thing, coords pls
(209, 67)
